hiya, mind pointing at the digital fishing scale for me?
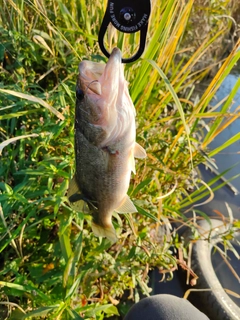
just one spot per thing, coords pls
(127, 16)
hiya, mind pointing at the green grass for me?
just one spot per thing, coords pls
(51, 265)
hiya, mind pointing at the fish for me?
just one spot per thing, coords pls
(105, 144)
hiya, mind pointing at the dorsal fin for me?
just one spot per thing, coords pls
(73, 187)
(76, 197)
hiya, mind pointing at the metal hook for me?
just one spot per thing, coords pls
(127, 16)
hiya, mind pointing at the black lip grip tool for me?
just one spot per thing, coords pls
(128, 16)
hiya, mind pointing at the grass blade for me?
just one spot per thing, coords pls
(40, 312)
(36, 100)
(11, 140)
(178, 103)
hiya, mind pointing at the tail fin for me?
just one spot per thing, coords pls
(108, 232)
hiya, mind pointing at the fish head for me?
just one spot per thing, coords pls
(102, 95)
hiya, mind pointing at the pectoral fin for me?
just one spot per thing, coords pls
(139, 152)
(127, 206)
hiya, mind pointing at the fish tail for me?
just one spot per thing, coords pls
(105, 231)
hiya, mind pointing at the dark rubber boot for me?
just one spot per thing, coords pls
(164, 307)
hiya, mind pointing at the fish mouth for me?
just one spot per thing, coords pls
(115, 58)
(102, 79)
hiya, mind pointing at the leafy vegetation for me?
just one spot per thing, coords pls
(51, 265)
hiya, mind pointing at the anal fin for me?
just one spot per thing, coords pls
(126, 207)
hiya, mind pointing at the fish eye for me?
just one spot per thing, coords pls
(79, 94)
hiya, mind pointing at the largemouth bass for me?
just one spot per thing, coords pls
(105, 143)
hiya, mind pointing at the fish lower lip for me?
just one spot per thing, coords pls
(116, 54)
